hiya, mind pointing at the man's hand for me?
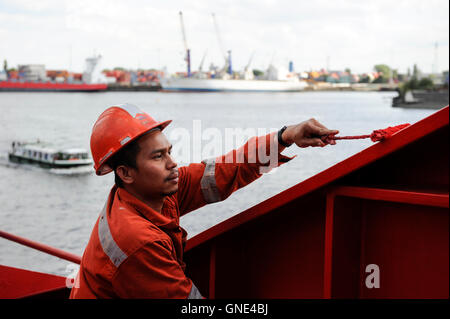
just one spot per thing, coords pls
(309, 133)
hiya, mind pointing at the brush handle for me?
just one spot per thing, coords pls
(355, 137)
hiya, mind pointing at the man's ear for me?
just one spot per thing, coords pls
(126, 174)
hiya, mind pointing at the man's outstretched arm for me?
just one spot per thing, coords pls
(215, 179)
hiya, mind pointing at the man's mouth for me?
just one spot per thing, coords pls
(173, 177)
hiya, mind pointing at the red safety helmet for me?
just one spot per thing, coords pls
(116, 127)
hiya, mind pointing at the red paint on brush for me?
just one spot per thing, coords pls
(377, 135)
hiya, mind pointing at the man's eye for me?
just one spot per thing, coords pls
(157, 156)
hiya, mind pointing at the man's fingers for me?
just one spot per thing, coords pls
(317, 123)
(315, 134)
(320, 125)
(328, 139)
(314, 142)
(328, 132)
(320, 131)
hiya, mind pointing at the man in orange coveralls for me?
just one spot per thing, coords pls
(136, 247)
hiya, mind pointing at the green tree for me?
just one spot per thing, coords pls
(415, 71)
(380, 79)
(385, 71)
(364, 79)
(395, 74)
(415, 84)
(412, 84)
(426, 84)
(348, 70)
(5, 65)
(258, 72)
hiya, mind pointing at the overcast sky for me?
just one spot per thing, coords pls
(143, 34)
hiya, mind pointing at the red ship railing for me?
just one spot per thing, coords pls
(42, 247)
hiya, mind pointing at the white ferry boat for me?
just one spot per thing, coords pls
(48, 157)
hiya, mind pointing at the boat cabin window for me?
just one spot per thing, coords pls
(66, 157)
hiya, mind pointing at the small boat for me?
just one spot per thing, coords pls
(46, 156)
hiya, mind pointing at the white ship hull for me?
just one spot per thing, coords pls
(192, 84)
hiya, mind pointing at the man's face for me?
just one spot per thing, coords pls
(157, 173)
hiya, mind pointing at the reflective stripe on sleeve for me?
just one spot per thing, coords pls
(208, 182)
(194, 293)
(115, 254)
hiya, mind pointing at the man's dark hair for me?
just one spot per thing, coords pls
(126, 156)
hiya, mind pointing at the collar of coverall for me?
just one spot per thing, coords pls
(156, 218)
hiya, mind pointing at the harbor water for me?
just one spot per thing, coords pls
(59, 207)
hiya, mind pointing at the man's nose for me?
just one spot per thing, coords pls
(171, 162)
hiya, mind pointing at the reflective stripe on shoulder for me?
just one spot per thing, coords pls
(115, 254)
(194, 293)
(208, 182)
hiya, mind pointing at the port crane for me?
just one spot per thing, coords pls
(249, 61)
(248, 74)
(188, 51)
(226, 57)
(200, 67)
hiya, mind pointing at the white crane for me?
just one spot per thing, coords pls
(249, 61)
(226, 55)
(202, 61)
(216, 27)
(248, 73)
(188, 52)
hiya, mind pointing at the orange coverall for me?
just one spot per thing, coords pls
(136, 252)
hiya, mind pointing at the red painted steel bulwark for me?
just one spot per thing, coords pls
(373, 226)
(21, 283)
